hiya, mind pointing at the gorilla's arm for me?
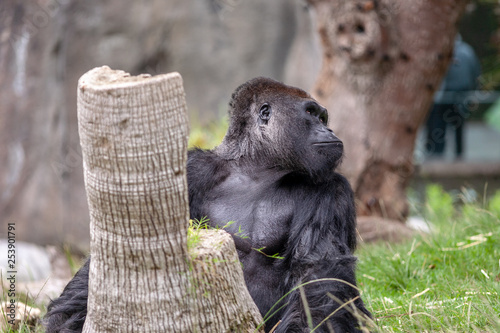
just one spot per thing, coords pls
(204, 171)
(320, 247)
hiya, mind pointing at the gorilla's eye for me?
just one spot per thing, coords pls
(323, 118)
(265, 112)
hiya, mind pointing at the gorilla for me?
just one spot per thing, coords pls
(295, 224)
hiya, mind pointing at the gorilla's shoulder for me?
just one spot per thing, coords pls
(342, 185)
(340, 181)
(200, 159)
(200, 154)
(205, 169)
(335, 187)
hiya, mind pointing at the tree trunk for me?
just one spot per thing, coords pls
(382, 62)
(133, 133)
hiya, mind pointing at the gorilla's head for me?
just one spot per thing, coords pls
(278, 126)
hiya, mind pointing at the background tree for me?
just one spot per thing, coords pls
(134, 134)
(382, 62)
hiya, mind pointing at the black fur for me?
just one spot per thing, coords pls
(294, 217)
(67, 313)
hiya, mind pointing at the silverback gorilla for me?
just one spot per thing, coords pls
(274, 176)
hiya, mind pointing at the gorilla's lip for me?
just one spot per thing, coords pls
(327, 143)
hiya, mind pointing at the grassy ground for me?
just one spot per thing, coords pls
(448, 281)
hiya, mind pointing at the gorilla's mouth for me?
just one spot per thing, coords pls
(328, 143)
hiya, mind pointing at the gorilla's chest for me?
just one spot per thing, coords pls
(255, 208)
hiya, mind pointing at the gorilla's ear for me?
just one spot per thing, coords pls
(264, 114)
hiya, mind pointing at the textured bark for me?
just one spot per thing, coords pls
(382, 62)
(133, 133)
(223, 303)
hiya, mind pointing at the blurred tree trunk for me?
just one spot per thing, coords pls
(143, 278)
(382, 62)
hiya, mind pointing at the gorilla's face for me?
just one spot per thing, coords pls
(295, 128)
(279, 126)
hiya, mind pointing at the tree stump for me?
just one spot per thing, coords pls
(133, 133)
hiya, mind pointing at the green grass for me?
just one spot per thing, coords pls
(23, 327)
(447, 281)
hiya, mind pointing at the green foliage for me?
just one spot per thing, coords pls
(23, 327)
(209, 136)
(274, 256)
(494, 205)
(74, 263)
(492, 116)
(439, 204)
(448, 281)
(193, 233)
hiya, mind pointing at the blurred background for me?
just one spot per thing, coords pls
(46, 45)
